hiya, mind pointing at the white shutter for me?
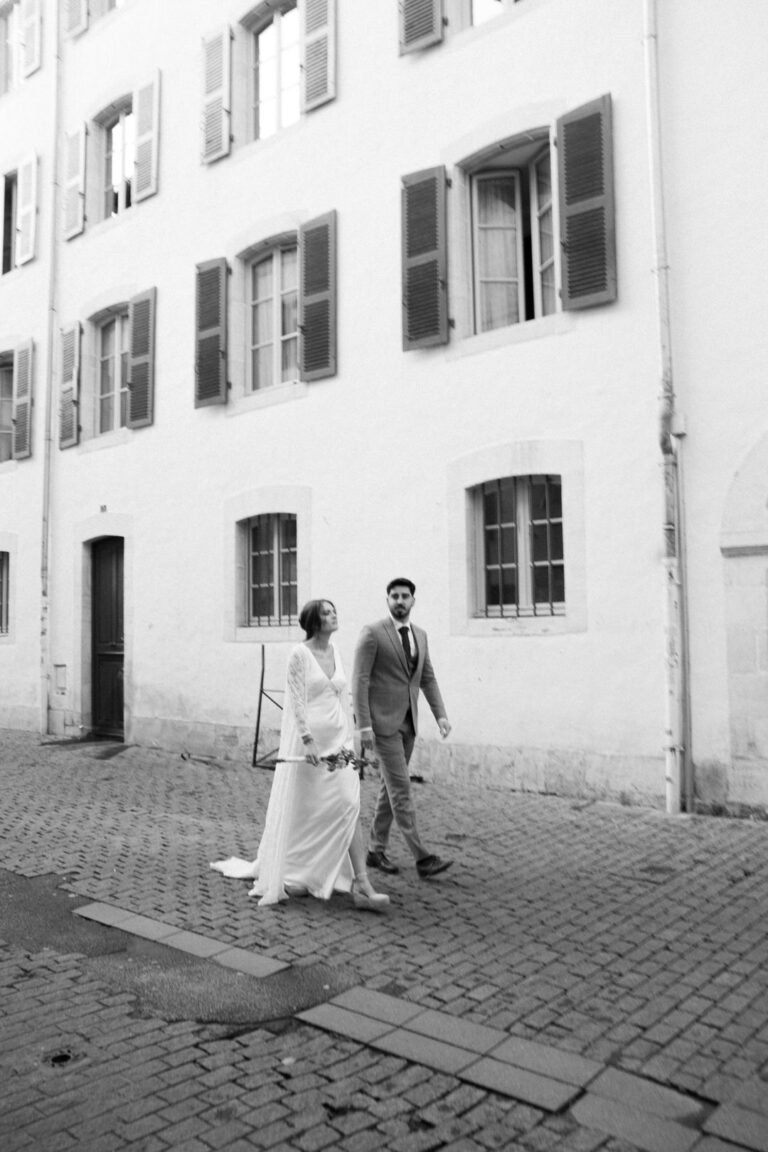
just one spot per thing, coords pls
(75, 17)
(26, 210)
(22, 400)
(318, 53)
(32, 27)
(74, 183)
(217, 71)
(146, 111)
(69, 421)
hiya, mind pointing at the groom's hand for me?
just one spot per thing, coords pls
(444, 727)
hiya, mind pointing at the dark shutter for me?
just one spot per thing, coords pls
(317, 298)
(425, 287)
(587, 228)
(141, 359)
(421, 24)
(22, 400)
(69, 425)
(211, 333)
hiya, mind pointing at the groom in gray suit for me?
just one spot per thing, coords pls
(391, 665)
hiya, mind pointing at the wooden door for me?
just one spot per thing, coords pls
(107, 636)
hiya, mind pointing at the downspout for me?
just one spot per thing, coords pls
(53, 308)
(677, 775)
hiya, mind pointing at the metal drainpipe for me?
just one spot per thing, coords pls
(675, 752)
(53, 305)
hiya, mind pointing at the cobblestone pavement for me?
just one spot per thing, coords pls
(619, 935)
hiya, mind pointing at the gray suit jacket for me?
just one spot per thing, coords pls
(383, 687)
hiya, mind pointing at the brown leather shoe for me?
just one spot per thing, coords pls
(381, 861)
(430, 866)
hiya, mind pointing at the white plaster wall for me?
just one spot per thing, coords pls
(716, 162)
(580, 709)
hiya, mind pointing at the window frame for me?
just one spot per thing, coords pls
(263, 19)
(11, 46)
(6, 431)
(126, 192)
(5, 594)
(525, 562)
(275, 524)
(119, 395)
(279, 337)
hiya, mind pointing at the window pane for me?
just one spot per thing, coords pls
(509, 588)
(496, 201)
(106, 416)
(262, 323)
(540, 541)
(541, 585)
(490, 506)
(508, 545)
(491, 546)
(262, 365)
(290, 312)
(6, 413)
(290, 360)
(507, 496)
(556, 541)
(558, 585)
(538, 498)
(492, 588)
(555, 497)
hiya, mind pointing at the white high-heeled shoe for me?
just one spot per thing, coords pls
(368, 901)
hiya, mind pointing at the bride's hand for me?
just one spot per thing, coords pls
(310, 752)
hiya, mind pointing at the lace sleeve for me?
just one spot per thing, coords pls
(297, 690)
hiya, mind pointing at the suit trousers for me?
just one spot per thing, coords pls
(394, 799)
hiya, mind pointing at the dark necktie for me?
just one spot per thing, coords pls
(405, 637)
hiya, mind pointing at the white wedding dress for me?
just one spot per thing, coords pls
(312, 813)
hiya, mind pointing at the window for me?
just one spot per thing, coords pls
(9, 222)
(113, 163)
(272, 570)
(120, 390)
(119, 160)
(519, 554)
(77, 13)
(113, 343)
(276, 73)
(282, 57)
(11, 46)
(4, 593)
(19, 219)
(513, 253)
(287, 291)
(273, 308)
(528, 247)
(6, 408)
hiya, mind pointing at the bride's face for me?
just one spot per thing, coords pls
(329, 621)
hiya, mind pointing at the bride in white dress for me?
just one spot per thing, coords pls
(312, 842)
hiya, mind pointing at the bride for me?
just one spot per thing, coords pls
(312, 841)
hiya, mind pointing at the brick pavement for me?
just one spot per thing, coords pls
(635, 942)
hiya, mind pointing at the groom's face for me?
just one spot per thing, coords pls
(400, 601)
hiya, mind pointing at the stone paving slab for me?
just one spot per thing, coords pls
(556, 1063)
(646, 1096)
(530, 1087)
(639, 1128)
(741, 1126)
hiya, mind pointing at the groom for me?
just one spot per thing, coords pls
(391, 665)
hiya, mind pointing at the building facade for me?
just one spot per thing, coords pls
(300, 296)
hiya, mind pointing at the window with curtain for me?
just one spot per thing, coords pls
(113, 342)
(5, 573)
(513, 252)
(273, 328)
(6, 408)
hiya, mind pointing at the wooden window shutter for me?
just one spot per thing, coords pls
(75, 17)
(74, 183)
(69, 412)
(141, 359)
(425, 288)
(587, 227)
(146, 107)
(318, 53)
(217, 82)
(32, 22)
(26, 210)
(22, 400)
(421, 24)
(317, 298)
(211, 333)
